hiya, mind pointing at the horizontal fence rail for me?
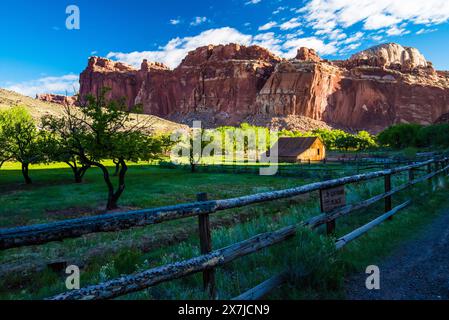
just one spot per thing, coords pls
(268, 286)
(209, 260)
(146, 279)
(74, 228)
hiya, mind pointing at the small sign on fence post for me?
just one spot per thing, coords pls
(206, 246)
(331, 199)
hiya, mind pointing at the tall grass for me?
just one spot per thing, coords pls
(310, 253)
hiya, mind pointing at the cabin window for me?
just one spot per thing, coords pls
(319, 151)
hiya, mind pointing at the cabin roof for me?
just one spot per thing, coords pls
(293, 147)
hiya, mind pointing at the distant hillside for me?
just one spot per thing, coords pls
(39, 108)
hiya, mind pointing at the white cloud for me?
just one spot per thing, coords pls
(176, 49)
(291, 24)
(335, 34)
(175, 21)
(269, 41)
(377, 38)
(397, 31)
(379, 21)
(253, 2)
(67, 84)
(268, 26)
(423, 31)
(310, 42)
(198, 20)
(374, 14)
(279, 10)
(355, 37)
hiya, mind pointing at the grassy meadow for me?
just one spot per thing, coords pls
(32, 273)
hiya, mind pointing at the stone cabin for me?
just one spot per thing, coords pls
(303, 149)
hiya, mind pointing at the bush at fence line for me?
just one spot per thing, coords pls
(167, 165)
(415, 136)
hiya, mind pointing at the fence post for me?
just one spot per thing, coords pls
(411, 175)
(331, 199)
(206, 246)
(429, 171)
(388, 199)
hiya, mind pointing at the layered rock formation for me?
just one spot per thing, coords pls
(123, 80)
(390, 55)
(372, 90)
(443, 119)
(229, 84)
(220, 80)
(58, 99)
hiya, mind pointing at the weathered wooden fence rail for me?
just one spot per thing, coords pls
(321, 168)
(209, 260)
(74, 228)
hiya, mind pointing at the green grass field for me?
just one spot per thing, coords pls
(25, 272)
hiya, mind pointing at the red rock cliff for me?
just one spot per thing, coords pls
(221, 80)
(372, 90)
(227, 84)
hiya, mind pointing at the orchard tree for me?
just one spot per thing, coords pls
(198, 141)
(345, 142)
(366, 140)
(21, 139)
(60, 144)
(4, 154)
(436, 136)
(400, 136)
(100, 130)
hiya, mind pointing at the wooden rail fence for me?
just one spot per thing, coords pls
(209, 259)
(321, 168)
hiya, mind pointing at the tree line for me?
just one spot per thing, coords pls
(82, 138)
(100, 129)
(403, 136)
(396, 137)
(333, 139)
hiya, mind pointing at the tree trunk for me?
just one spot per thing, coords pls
(117, 168)
(25, 172)
(115, 196)
(78, 173)
(78, 178)
(83, 171)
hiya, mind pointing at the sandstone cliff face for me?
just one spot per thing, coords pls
(58, 99)
(391, 54)
(299, 88)
(229, 84)
(374, 98)
(371, 91)
(222, 80)
(123, 80)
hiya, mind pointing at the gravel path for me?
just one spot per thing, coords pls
(418, 270)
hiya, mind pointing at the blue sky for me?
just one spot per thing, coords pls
(39, 54)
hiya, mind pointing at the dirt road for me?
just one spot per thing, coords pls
(418, 270)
